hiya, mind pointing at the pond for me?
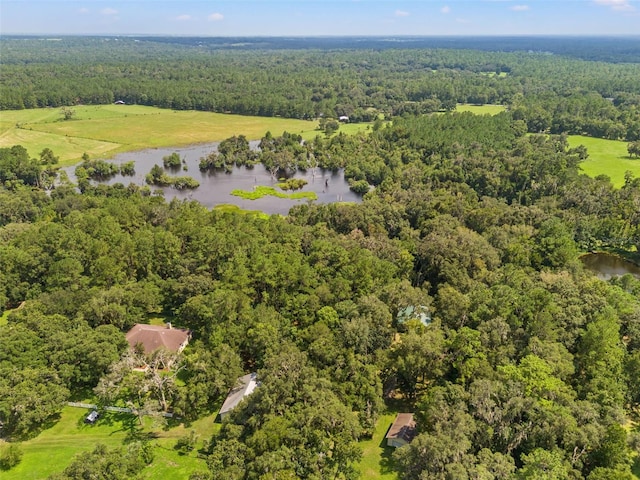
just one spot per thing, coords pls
(607, 266)
(215, 187)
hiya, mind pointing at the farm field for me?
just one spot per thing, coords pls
(606, 157)
(54, 448)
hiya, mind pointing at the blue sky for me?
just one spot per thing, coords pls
(321, 17)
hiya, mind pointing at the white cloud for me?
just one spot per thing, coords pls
(445, 9)
(183, 18)
(519, 8)
(215, 17)
(83, 10)
(618, 5)
(401, 13)
(108, 11)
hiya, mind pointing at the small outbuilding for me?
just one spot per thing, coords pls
(119, 102)
(244, 387)
(402, 430)
(92, 417)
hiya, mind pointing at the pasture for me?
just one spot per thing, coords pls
(54, 448)
(480, 109)
(104, 130)
(606, 157)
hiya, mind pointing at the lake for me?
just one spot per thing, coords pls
(607, 266)
(215, 187)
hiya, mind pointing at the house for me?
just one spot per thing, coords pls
(119, 102)
(244, 387)
(153, 337)
(402, 430)
(414, 312)
(343, 118)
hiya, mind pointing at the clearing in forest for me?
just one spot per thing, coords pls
(606, 157)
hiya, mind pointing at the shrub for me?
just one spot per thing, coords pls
(10, 455)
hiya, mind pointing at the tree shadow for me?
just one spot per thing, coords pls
(137, 435)
(387, 462)
(172, 422)
(34, 432)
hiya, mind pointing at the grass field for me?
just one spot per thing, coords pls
(376, 460)
(606, 157)
(480, 109)
(104, 130)
(54, 448)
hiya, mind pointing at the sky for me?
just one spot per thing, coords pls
(320, 17)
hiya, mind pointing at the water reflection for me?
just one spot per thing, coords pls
(215, 187)
(607, 266)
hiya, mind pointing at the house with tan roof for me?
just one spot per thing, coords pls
(153, 337)
(402, 430)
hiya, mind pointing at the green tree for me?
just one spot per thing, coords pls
(634, 149)
(543, 464)
(67, 113)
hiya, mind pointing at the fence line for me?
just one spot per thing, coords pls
(113, 409)
(81, 405)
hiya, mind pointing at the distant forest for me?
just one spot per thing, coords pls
(548, 83)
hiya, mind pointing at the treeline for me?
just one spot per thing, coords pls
(358, 83)
(528, 360)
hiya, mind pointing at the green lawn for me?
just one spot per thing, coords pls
(606, 157)
(376, 460)
(53, 449)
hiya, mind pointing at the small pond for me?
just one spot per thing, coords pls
(607, 266)
(215, 187)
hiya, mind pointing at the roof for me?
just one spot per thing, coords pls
(403, 427)
(153, 337)
(419, 312)
(244, 386)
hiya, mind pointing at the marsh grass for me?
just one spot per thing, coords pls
(263, 191)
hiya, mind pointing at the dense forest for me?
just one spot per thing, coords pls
(528, 366)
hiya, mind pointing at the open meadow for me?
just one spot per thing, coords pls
(606, 157)
(480, 109)
(104, 130)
